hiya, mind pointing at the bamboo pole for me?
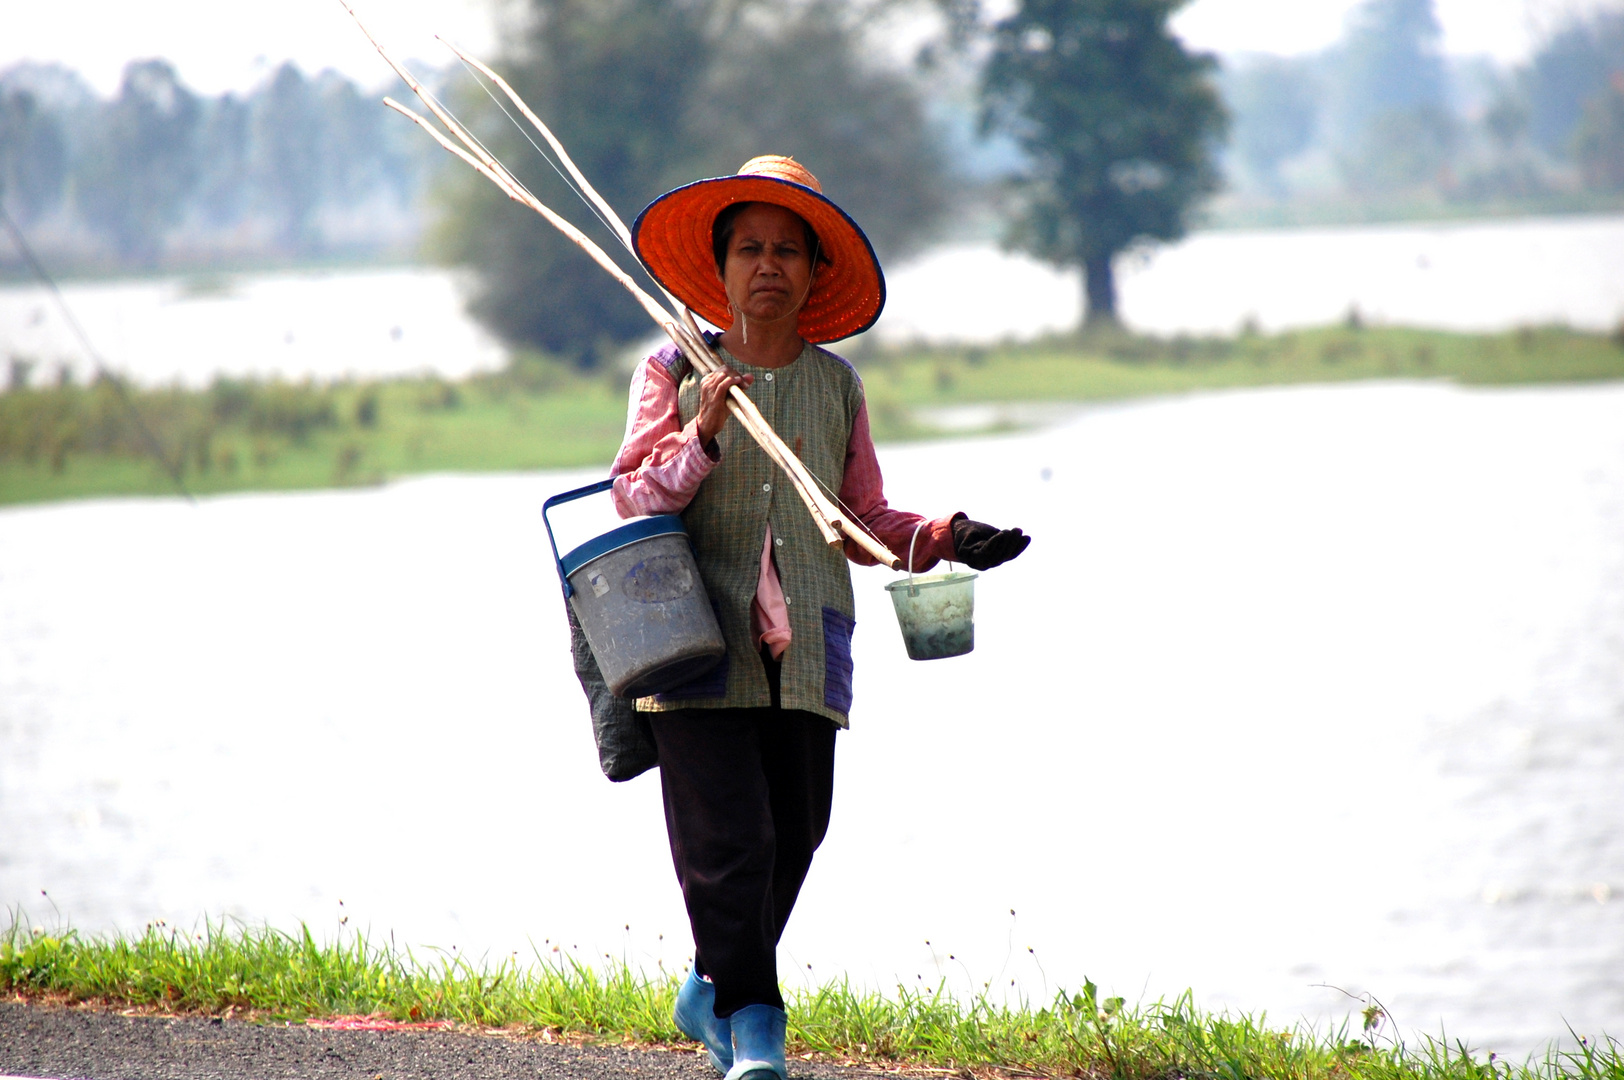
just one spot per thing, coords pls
(739, 404)
(515, 191)
(697, 346)
(856, 531)
(825, 515)
(610, 217)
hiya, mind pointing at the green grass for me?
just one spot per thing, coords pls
(267, 975)
(1108, 367)
(1112, 367)
(75, 442)
(79, 441)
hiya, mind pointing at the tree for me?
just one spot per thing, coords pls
(649, 94)
(863, 133)
(1574, 67)
(143, 165)
(289, 170)
(1599, 141)
(613, 79)
(33, 155)
(361, 146)
(1275, 102)
(1388, 62)
(1119, 122)
(225, 142)
(1401, 150)
(51, 114)
(1391, 116)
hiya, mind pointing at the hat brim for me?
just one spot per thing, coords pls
(672, 236)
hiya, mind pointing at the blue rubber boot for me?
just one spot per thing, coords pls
(758, 1044)
(696, 1018)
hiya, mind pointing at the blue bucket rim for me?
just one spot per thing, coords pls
(617, 538)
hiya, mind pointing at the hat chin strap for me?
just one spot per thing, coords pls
(811, 279)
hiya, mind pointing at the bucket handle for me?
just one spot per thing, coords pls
(558, 500)
(913, 590)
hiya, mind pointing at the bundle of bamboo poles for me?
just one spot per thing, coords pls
(832, 522)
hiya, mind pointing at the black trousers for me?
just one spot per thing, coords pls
(747, 795)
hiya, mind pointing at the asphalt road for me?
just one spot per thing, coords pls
(76, 1044)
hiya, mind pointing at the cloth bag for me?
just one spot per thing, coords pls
(625, 738)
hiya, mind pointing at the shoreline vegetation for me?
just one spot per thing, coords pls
(72, 441)
(265, 975)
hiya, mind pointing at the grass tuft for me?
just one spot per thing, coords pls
(269, 974)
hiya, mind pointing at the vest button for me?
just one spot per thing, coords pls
(788, 601)
(779, 540)
(769, 376)
(766, 487)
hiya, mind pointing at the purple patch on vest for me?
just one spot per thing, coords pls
(837, 630)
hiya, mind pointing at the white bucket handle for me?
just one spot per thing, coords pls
(913, 590)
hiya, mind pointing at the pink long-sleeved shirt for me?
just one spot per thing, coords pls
(661, 465)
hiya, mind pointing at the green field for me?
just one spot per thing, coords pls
(265, 975)
(79, 441)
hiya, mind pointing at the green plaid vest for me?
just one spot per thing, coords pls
(812, 404)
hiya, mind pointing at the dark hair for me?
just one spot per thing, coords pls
(722, 233)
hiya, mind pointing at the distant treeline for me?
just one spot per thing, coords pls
(1383, 114)
(650, 93)
(300, 167)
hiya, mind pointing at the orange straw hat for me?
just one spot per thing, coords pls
(673, 238)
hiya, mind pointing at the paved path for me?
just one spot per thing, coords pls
(74, 1044)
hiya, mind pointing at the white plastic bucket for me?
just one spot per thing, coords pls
(936, 612)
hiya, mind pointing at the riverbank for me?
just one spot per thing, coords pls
(76, 441)
(276, 980)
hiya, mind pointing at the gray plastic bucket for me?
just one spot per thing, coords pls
(637, 593)
(936, 613)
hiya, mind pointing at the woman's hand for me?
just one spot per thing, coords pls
(982, 547)
(713, 401)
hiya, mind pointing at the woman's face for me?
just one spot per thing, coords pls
(768, 270)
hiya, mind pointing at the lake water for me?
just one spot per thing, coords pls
(325, 325)
(1489, 275)
(1295, 689)
(1469, 276)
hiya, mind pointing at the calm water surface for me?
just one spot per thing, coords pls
(1296, 689)
(1487, 275)
(1467, 276)
(325, 325)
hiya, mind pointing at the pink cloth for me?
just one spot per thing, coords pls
(661, 465)
(769, 615)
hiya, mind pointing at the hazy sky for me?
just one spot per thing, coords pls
(219, 46)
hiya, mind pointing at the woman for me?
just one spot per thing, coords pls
(746, 752)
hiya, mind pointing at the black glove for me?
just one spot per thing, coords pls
(982, 547)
